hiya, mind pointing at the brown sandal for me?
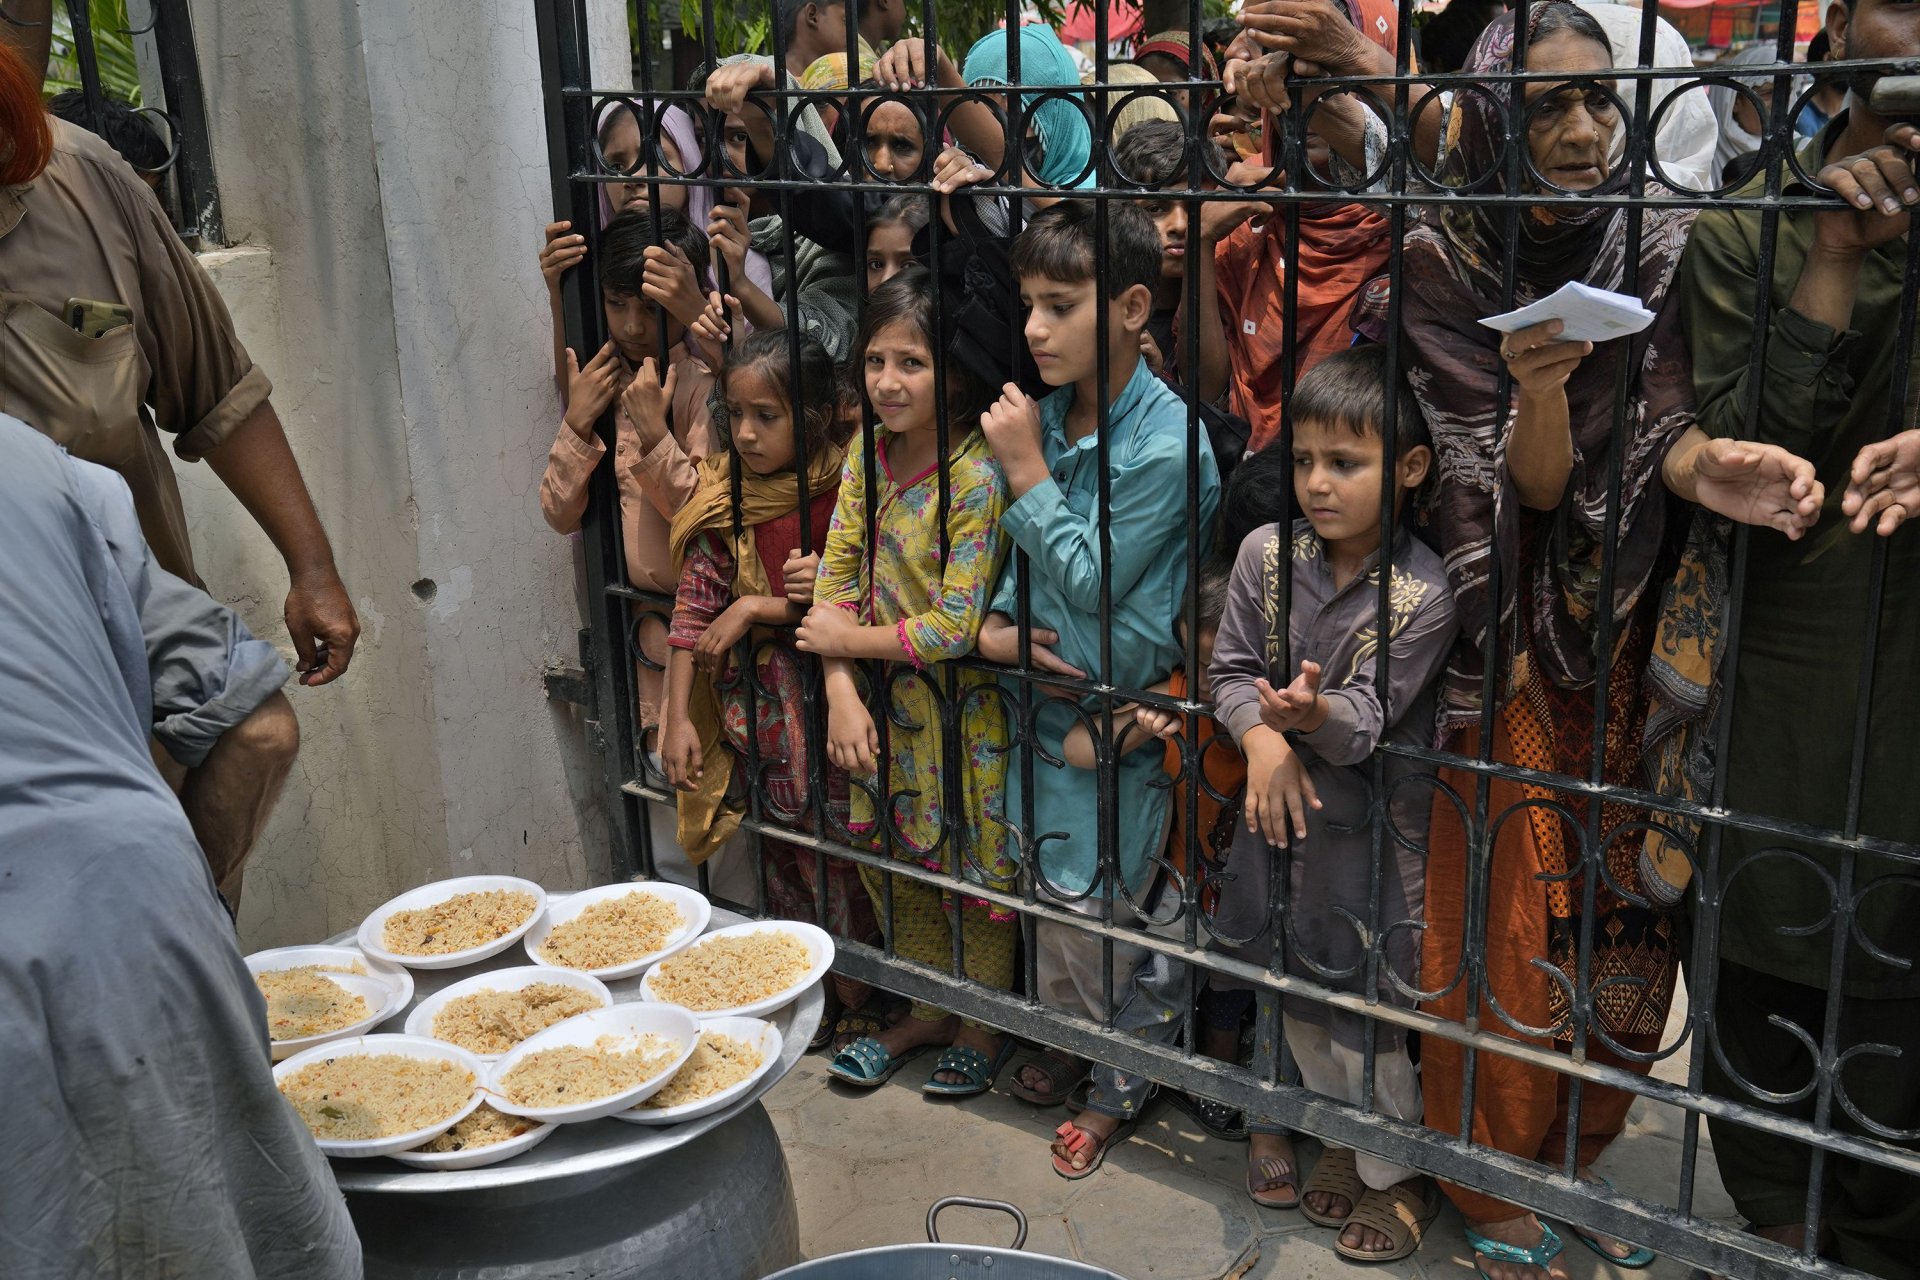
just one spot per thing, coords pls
(1334, 1174)
(1270, 1174)
(1401, 1213)
(1062, 1070)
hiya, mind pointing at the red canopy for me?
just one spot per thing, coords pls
(1123, 20)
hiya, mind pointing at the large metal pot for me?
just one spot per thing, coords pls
(721, 1207)
(937, 1261)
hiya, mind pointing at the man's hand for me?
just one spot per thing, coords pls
(1295, 707)
(680, 756)
(1884, 482)
(798, 575)
(955, 169)
(1759, 484)
(714, 649)
(1539, 361)
(323, 624)
(730, 83)
(1260, 82)
(853, 742)
(1000, 642)
(592, 389)
(1879, 187)
(1011, 425)
(1315, 33)
(561, 252)
(730, 239)
(907, 65)
(668, 279)
(1279, 789)
(648, 403)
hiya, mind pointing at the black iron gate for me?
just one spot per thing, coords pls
(1400, 184)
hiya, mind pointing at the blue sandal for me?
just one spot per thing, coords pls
(866, 1064)
(1538, 1255)
(1640, 1258)
(980, 1071)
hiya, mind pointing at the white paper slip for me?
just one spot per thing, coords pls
(1589, 314)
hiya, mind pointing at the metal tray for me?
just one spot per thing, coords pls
(578, 1150)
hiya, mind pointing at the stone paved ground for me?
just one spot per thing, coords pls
(1168, 1204)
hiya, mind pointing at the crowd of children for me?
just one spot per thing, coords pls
(1080, 444)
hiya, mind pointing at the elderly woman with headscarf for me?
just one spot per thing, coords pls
(1533, 531)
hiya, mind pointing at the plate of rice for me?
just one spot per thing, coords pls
(743, 971)
(317, 995)
(597, 1064)
(453, 922)
(732, 1055)
(485, 1137)
(375, 1095)
(617, 930)
(489, 1013)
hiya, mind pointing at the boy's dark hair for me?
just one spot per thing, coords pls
(789, 11)
(1153, 154)
(1210, 589)
(120, 126)
(1256, 496)
(908, 298)
(915, 211)
(1349, 389)
(1058, 244)
(813, 389)
(624, 245)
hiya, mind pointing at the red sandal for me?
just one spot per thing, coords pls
(1071, 1140)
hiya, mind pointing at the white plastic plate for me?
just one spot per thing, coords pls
(478, 1157)
(385, 987)
(372, 928)
(764, 1036)
(420, 1021)
(624, 1023)
(694, 910)
(819, 945)
(401, 1046)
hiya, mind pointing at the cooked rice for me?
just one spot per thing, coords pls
(303, 1002)
(718, 1062)
(355, 968)
(572, 1073)
(726, 973)
(462, 922)
(376, 1095)
(483, 1128)
(492, 1022)
(616, 931)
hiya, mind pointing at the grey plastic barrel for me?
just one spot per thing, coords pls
(720, 1209)
(938, 1261)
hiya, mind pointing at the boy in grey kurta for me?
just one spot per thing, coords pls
(1310, 811)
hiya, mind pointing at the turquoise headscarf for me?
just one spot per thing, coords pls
(1063, 132)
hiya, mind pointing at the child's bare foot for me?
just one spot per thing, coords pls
(1273, 1176)
(1524, 1232)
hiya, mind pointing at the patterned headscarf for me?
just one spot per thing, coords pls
(1454, 268)
(1065, 137)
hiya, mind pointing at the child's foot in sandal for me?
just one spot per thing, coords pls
(1332, 1189)
(1522, 1248)
(1389, 1225)
(1047, 1080)
(1080, 1145)
(971, 1065)
(872, 1060)
(1618, 1252)
(1273, 1175)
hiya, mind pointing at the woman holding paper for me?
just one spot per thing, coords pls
(1527, 466)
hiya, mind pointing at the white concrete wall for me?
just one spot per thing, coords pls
(383, 172)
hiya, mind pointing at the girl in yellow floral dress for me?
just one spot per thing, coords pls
(907, 589)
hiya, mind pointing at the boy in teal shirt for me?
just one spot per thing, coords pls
(1050, 452)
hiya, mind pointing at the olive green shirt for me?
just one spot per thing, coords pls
(1823, 395)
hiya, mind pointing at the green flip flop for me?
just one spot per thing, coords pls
(866, 1064)
(980, 1071)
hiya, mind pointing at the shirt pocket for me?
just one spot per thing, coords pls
(85, 393)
